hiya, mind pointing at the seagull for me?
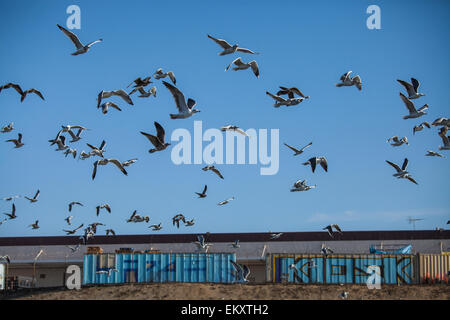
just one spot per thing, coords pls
(120, 93)
(189, 223)
(343, 295)
(213, 169)
(158, 140)
(203, 194)
(69, 128)
(185, 109)
(236, 244)
(7, 128)
(105, 107)
(146, 94)
(326, 250)
(298, 151)
(109, 271)
(71, 151)
(61, 142)
(421, 126)
(141, 82)
(401, 172)
(291, 92)
(137, 218)
(37, 92)
(398, 142)
(74, 230)
(434, 154)
(242, 271)
(129, 162)
(240, 65)
(329, 229)
(80, 47)
(156, 227)
(34, 199)
(18, 142)
(74, 249)
(201, 243)
(275, 235)
(338, 229)
(445, 139)
(441, 122)
(35, 225)
(176, 219)
(317, 160)
(221, 203)
(347, 81)
(68, 220)
(413, 113)
(412, 88)
(12, 215)
(104, 206)
(228, 49)
(235, 129)
(104, 161)
(160, 74)
(301, 186)
(93, 226)
(10, 198)
(5, 257)
(84, 155)
(97, 151)
(284, 102)
(110, 231)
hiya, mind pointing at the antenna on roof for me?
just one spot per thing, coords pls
(413, 221)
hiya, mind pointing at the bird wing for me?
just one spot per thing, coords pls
(405, 164)
(160, 133)
(31, 91)
(93, 42)
(204, 189)
(426, 124)
(409, 87)
(408, 103)
(115, 106)
(309, 144)
(254, 67)
(216, 171)
(95, 170)
(324, 164)
(118, 165)
(313, 162)
(345, 76)
(37, 194)
(411, 179)
(298, 92)
(220, 42)
(246, 50)
(237, 267)
(12, 85)
(292, 148)
(415, 84)
(72, 37)
(245, 271)
(180, 100)
(237, 61)
(172, 77)
(396, 167)
(278, 98)
(121, 93)
(153, 139)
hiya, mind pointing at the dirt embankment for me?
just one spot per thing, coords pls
(202, 291)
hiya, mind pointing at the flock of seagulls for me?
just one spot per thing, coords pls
(285, 96)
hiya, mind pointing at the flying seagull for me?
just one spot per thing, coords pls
(146, 94)
(177, 218)
(291, 92)
(236, 244)
(74, 249)
(108, 272)
(35, 225)
(73, 152)
(189, 223)
(137, 218)
(325, 250)
(317, 160)
(275, 235)
(240, 65)
(213, 169)
(280, 101)
(201, 243)
(105, 107)
(398, 142)
(80, 47)
(221, 203)
(74, 230)
(445, 139)
(228, 49)
(298, 151)
(18, 142)
(330, 227)
(203, 194)
(433, 154)
(34, 199)
(37, 92)
(110, 231)
(421, 126)
(68, 220)
(301, 186)
(12, 215)
(441, 122)
(401, 172)
(242, 271)
(412, 88)
(141, 82)
(61, 142)
(129, 162)
(160, 74)
(185, 110)
(97, 151)
(413, 112)
(107, 94)
(343, 295)
(6, 257)
(156, 227)
(104, 161)
(7, 128)
(348, 81)
(84, 155)
(10, 198)
(103, 206)
(158, 140)
(234, 128)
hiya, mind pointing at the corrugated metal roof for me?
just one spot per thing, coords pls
(229, 237)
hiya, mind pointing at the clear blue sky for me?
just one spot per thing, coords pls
(304, 44)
